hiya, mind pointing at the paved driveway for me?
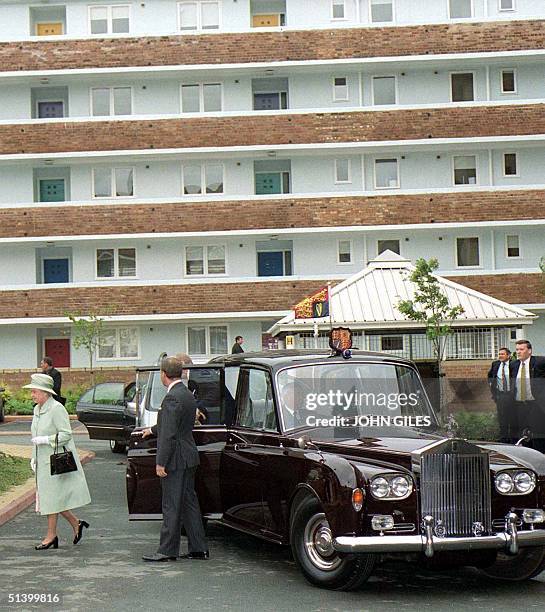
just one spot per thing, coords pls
(104, 572)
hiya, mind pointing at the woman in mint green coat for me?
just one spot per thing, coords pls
(61, 493)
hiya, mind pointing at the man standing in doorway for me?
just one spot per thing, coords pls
(176, 465)
(500, 388)
(528, 376)
(46, 364)
(237, 346)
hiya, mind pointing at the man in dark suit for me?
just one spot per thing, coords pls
(237, 346)
(528, 376)
(500, 388)
(176, 465)
(47, 368)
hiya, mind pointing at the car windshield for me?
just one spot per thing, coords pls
(354, 400)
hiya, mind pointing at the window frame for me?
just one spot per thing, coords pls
(453, 170)
(511, 257)
(375, 159)
(201, 85)
(207, 327)
(507, 10)
(205, 273)
(334, 89)
(472, 5)
(472, 72)
(351, 252)
(517, 173)
(110, 89)
(199, 27)
(117, 357)
(337, 181)
(479, 251)
(116, 275)
(113, 183)
(109, 7)
(385, 240)
(203, 193)
(370, 5)
(515, 82)
(332, 4)
(384, 76)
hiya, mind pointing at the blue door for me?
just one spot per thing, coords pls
(268, 183)
(52, 190)
(270, 264)
(48, 110)
(55, 270)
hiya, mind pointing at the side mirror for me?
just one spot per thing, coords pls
(305, 442)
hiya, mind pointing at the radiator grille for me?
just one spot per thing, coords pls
(455, 489)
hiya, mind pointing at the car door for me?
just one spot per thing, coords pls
(103, 415)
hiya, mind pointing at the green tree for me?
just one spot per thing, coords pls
(430, 307)
(87, 332)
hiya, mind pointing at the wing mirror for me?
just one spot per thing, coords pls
(305, 442)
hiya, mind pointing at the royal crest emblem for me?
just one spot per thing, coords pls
(340, 339)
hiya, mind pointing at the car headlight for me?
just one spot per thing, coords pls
(515, 482)
(391, 486)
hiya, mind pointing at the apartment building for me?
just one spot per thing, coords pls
(193, 169)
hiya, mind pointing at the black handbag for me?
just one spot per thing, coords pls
(62, 463)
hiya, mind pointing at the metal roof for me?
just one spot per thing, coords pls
(369, 298)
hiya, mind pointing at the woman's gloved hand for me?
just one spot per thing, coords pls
(39, 440)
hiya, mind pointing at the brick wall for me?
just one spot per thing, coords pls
(15, 379)
(218, 297)
(272, 214)
(360, 126)
(273, 46)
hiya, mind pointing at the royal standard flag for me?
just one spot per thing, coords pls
(314, 306)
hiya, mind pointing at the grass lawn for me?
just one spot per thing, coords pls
(13, 471)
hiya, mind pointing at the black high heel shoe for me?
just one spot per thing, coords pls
(81, 525)
(54, 543)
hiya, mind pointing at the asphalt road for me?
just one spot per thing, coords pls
(105, 571)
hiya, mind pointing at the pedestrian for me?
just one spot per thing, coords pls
(500, 388)
(47, 368)
(528, 376)
(59, 493)
(176, 465)
(237, 346)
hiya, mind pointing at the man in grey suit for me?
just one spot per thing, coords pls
(176, 465)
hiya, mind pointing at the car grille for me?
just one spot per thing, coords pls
(455, 490)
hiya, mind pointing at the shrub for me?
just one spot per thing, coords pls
(475, 425)
(20, 402)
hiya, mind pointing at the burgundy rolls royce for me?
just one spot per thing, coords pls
(340, 456)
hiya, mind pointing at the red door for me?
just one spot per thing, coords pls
(59, 350)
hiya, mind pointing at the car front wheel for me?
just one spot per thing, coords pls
(117, 447)
(526, 564)
(312, 547)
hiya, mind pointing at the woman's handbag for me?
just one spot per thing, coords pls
(62, 463)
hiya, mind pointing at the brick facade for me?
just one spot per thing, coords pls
(219, 297)
(272, 214)
(248, 47)
(271, 130)
(71, 377)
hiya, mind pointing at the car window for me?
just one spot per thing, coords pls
(256, 402)
(108, 393)
(130, 392)
(88, 395)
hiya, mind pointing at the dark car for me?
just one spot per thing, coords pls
(109, 413)
(293, 458)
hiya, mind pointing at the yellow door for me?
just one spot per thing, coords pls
(49, 29)
(265, 21)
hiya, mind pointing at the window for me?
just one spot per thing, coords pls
(382, 11)
(391, 343)
(120, 343)
(508, 81)
(506, 5)
(116, 263)
(198, 179)
(256, 404)
(388, 245)
(112, 182)
(510, 164)
(344, 251)
(106, 101)
(384, 90)
(337, 9)
(109, 19)
(201, 97)
(386, 173)
(342, 171)
(512, 246)
(200, 260)
(461, 87)
(207, 340)
(460, 9)
(467, 252)
(465, 170)
(199, 15)
(340, 89)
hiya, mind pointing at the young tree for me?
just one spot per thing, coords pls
(87, 332)
(430, 307)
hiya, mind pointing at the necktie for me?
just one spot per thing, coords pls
(503, 378)
(523, 382)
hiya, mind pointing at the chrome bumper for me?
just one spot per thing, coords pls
(510, 540)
